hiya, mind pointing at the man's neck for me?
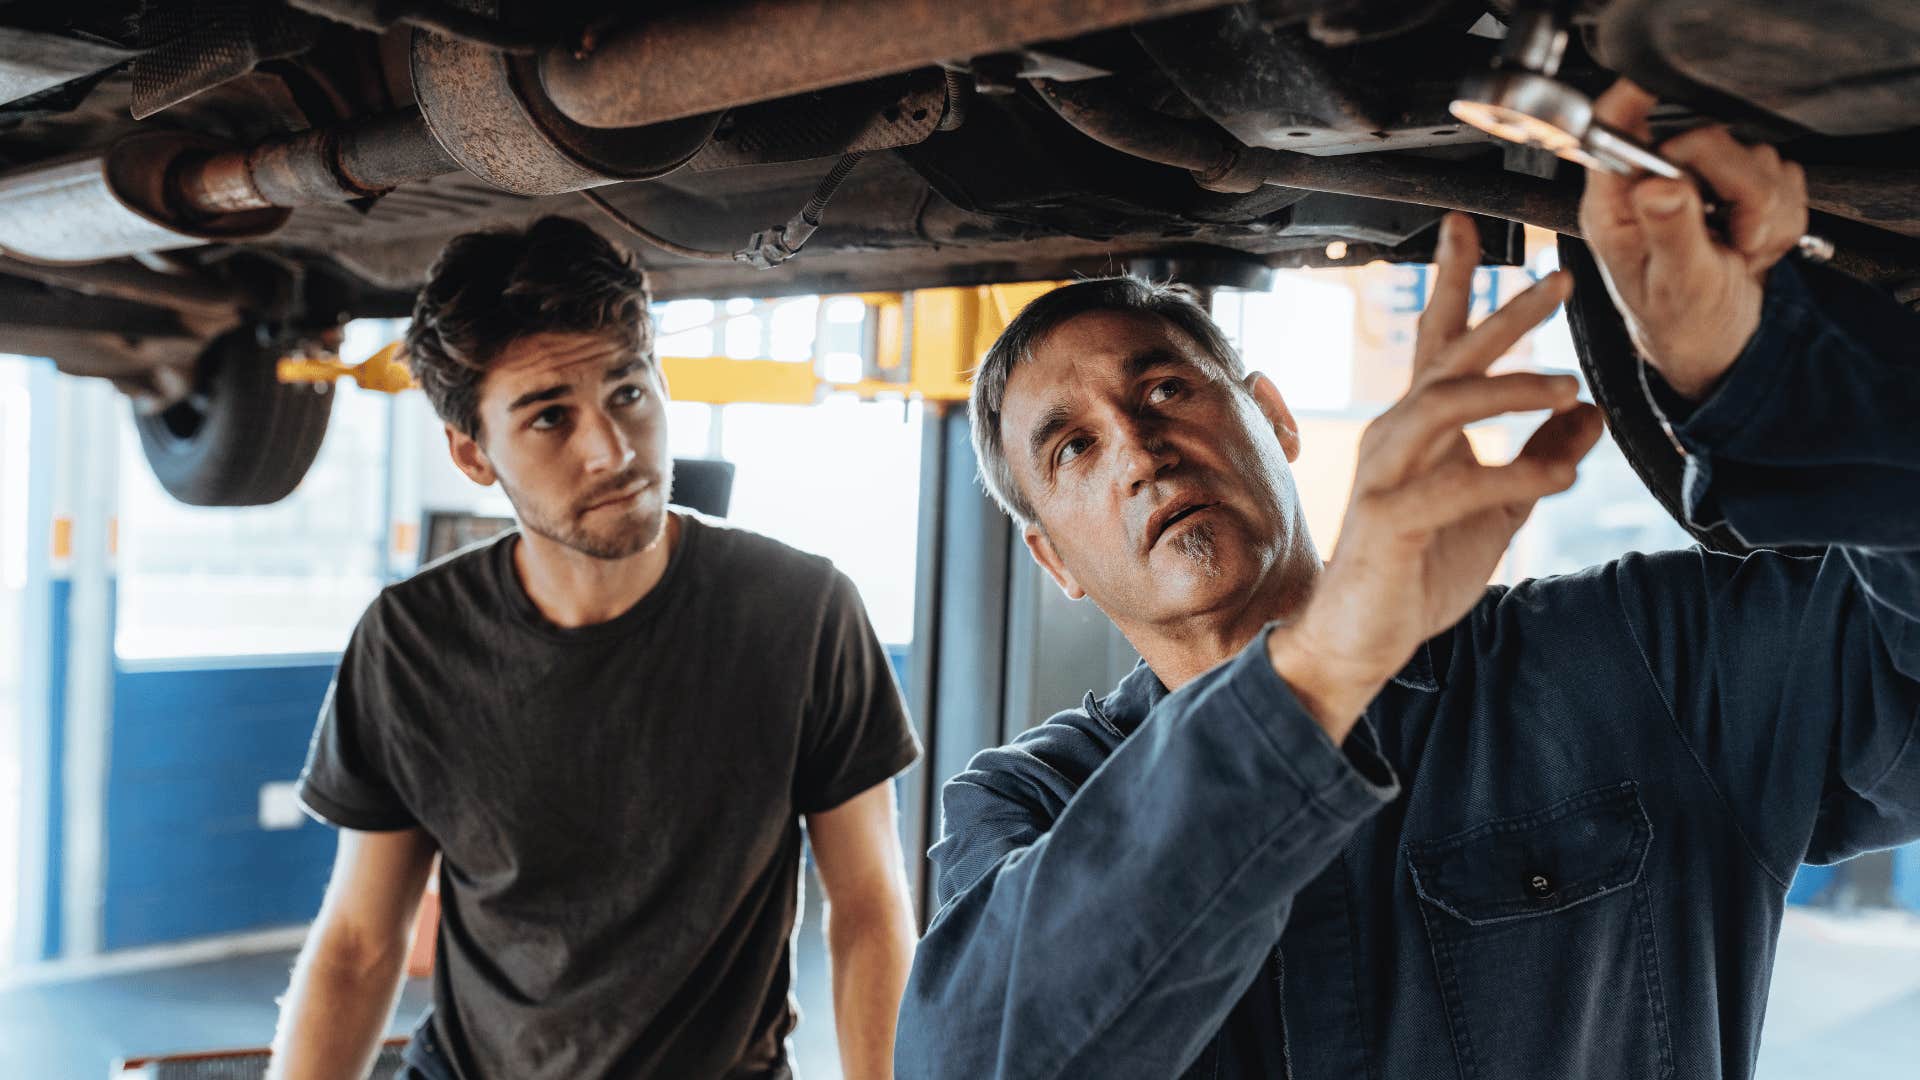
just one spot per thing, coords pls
(1183, 651)
(572, 589)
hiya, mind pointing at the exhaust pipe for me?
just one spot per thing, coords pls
(155, 191)
(716, 56)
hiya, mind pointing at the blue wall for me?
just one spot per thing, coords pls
(185, 854)
(59, 633)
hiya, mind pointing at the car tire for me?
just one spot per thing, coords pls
(243, 437)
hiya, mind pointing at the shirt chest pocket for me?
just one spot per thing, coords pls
(1542, 935)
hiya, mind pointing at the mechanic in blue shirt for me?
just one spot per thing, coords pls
(1370, 818)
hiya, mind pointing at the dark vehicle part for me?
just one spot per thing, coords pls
(242, 437)
(489, 112)
(765, 249)
(325, 165)
(161, 189)
(32, 61)
(707, 57)
(1520, 101)
(104, 207)
(188, 293)
(444, 19)
(1273, 86)
(879, 115)
(210, 42)
(1843, 67)
(1222, 164)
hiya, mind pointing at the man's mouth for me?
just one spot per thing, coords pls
(1173, 515)
(624, 495)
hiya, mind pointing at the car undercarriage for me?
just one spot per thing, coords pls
(188, 186)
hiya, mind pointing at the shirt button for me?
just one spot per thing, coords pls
(1539, 887)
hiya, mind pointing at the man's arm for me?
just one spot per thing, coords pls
(1108, 929)
(869, 924)
(1795, 393)
(348, 975)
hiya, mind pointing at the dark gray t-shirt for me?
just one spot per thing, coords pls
(615, 805)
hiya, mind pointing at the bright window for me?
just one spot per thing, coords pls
(294, 577)
(840, 479)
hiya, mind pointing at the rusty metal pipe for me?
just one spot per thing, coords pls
(717, 56)
(325, 165)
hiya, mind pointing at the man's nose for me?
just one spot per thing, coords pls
(607, 447)
(1145, 454)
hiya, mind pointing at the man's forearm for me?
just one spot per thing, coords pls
(871, 955)
(333, 1015)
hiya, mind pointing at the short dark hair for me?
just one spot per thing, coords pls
(490, 288)
(1015, 345)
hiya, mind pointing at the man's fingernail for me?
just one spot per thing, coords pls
(1663, 201)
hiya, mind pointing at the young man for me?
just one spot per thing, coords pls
(1370, 819)
(607, 724)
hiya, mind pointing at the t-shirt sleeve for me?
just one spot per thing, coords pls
(346, 781)
(856, 729)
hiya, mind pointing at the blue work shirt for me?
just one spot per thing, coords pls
(1558, 845)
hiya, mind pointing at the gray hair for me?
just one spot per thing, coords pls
(1015, 346)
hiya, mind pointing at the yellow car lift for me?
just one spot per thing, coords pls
(926, 344)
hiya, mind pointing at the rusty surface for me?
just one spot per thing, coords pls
(312, 167)
(390, 150)
(712, 57)
(218, 184)
(1549, 204)
(489, 114)
(845, 120)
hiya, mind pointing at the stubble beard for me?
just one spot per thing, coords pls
(628, 536)
(1199, 544)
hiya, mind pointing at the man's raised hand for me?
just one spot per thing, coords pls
(1691, 299)
(1427, 521)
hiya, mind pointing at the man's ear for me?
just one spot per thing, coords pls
(468, 457)
(1041, 548)
(1274, 407)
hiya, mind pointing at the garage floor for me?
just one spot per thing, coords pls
(1846, 1005)
(74, 1029)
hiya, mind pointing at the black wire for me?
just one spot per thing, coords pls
(651, 237)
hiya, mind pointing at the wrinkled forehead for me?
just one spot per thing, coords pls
(1093, 354)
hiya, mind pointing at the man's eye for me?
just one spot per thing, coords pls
(627, 395)
(1072, 448)
(1166, 390)
(549, 418)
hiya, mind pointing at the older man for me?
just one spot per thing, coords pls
(1369, 818)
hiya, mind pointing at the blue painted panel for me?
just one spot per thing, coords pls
(186, 856)
(1810, 881)
(898, 656)
(59, 637)
(1906, 877)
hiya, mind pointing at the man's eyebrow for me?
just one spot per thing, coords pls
(1056, 417)
(1147, 359)
(535, 397)
(621, 371)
